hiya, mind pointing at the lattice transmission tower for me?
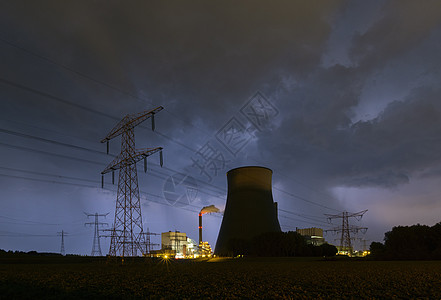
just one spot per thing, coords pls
(127, 236)
(96, 248)
(346, 229)
(62, 234)
(148, 243)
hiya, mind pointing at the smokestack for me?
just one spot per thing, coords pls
(250, 209)
(200, 228)
(205, 210)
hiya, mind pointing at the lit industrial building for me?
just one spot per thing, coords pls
(175, 244)
(349, 251)
(178, 242)
(312, 235)
(204, 249)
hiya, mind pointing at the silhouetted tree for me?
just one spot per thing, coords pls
(278, 244)
(377, 250)
(328, 250)
(410, 242)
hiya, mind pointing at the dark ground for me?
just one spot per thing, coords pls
(269, 278)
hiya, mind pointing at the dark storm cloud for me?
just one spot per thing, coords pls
(198, 57)
(404, 25)
(404, 140)
(317, 137)
(386, 151)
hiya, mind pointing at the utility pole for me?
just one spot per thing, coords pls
(127, 235)
(62, 234)
(346, 229)
(96, 248)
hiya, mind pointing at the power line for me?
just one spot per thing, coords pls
(71, 69)
(97, 187)
(45, 174)
(302, 221)
(81, 74)
(121, 91)
(79, 148)
(147, 199)
(169, 138)
(48, 153)
(19, 234)
(49, 181)
(155, 173)
(50, 96)
(303, 199)
(88, 180)
(99, 152)
(74, 184)
(27, 222)
(302, 216)
(29, 136)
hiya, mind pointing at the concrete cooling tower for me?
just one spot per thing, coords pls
(250, 209)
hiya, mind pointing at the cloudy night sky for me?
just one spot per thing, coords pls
(341, 99)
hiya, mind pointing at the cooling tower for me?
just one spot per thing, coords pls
(250, 210)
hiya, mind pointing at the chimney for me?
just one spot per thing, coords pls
(200, 228)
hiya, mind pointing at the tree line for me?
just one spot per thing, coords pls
(274, 244)
(416, 242)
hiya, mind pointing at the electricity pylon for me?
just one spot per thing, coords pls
(127, 235)
(346, 230)
(148, 243)
(62, 234)
(96, 248)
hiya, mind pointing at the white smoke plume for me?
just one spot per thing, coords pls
(209, 209)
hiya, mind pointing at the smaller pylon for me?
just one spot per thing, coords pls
(96, 248)
(148, 243)
(345, 229)
(62, 234)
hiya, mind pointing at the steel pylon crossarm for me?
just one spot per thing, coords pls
(130, 121)
(121, 161)
(347, 215)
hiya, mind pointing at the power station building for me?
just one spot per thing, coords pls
(177, 244)
(312, 235)
(250, 209)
